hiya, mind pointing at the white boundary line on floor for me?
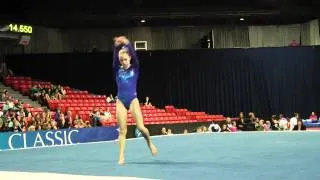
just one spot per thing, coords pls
(8, 175)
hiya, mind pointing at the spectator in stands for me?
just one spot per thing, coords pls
(252, 117)
(228, 122)
(78, 122)
(16, 125)
(299, 126)
(199, 130)
(6, 106)
(249, 123)
(274, 119)
(35, 92)
(88, 124)
(267, 126)
(47, 113)
(38, 126)
(164, 131)
(240, 122)
(4, 127)
(185, 131)
(32, 126)
(57, 114)
(294, 121)
(62, 123)
(313, 117)
(147, 102)
(105, 115)
(60, 92)
(54, 125)
(234, 128)
(68, 116)
(214, 127)
(110, 99)
(95, 118)
(260, 125)
(225, 128)
(204, 129)
(4, 96)
(276, 127)
(283, 122)
(18, 105)
(43, 98)
(10, 124)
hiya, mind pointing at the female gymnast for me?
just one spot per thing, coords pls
(127, 74)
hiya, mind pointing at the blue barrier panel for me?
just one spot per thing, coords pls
(11, 141)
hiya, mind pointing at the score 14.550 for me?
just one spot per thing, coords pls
(20, 28)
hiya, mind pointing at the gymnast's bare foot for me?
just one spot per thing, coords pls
(153, 149)
(121, 161)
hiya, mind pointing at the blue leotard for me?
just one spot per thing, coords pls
(126, 79)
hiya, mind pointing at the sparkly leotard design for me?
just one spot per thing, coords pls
(126, 79)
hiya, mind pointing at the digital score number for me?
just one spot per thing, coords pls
(19, 28)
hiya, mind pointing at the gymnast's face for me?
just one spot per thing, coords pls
(124, 59)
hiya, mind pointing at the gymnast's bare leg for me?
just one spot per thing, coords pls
(137, 115)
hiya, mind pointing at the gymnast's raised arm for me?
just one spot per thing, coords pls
(123, 43)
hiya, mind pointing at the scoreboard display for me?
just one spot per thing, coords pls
(16, 28)
(12, 34)
(20, 28)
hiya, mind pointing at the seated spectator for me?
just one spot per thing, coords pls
(214, 127)
(35, 92)
(4, 96)
(300, 126)
(62, 123)
(60, 92)
(229, 122)
(313, 117)
(110, 99)
(234, 128)
(293, 121)
(225, 128)
(105, 115)
(18, 106)
(260, 125)
(241, 122)
(283, 122)
(267, 126)
(32, 126)
(54, 125)
(95, 118)
(78, 122)
(6, 106)
(147, 102)
(199, 130)
(68, 116)
(185, 131)
(164, 131)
